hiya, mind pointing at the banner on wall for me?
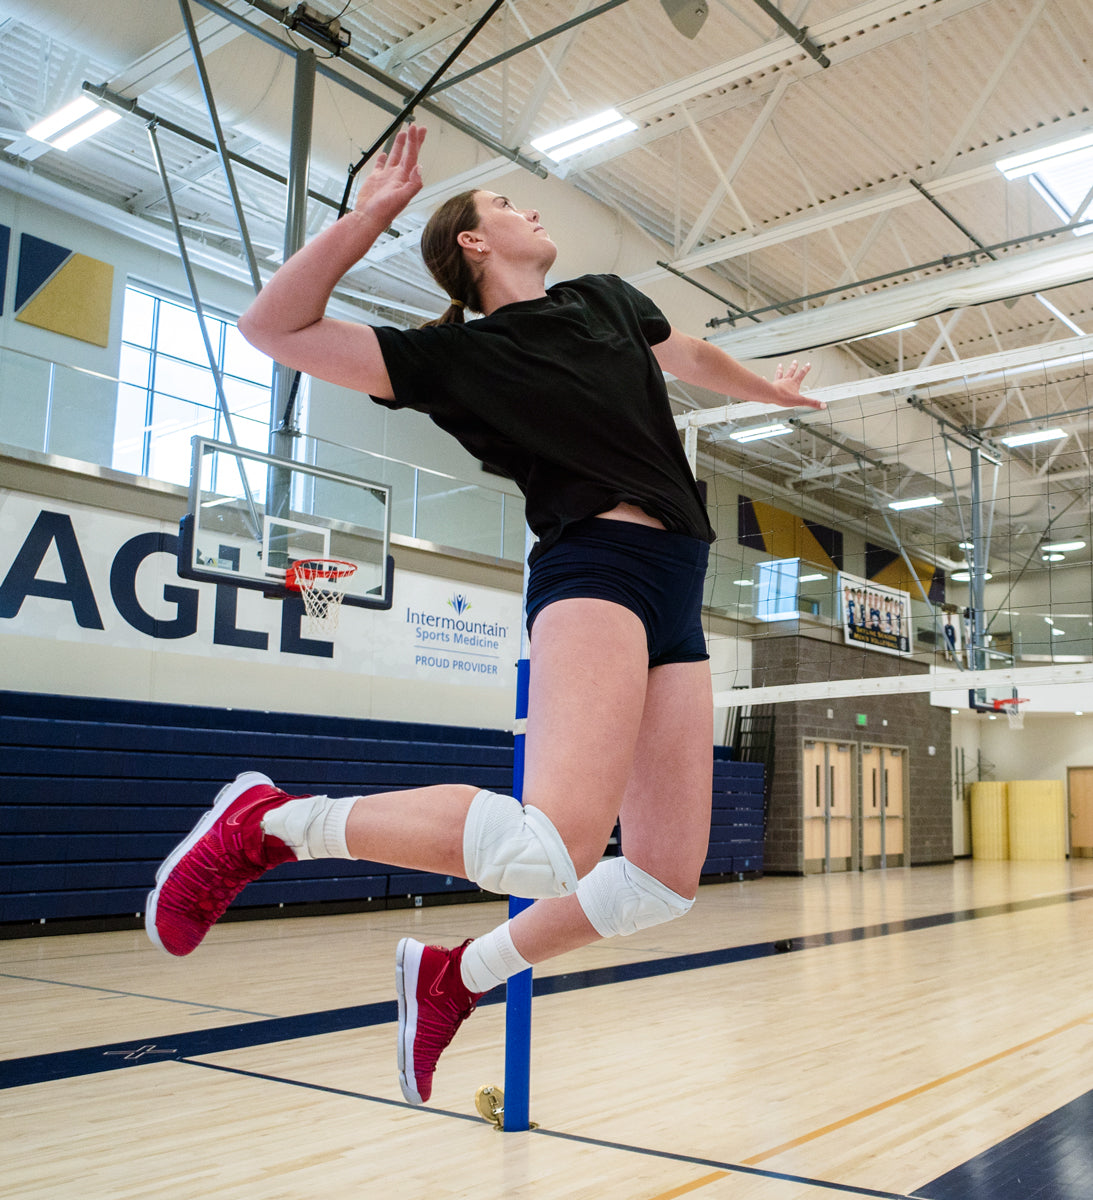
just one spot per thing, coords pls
(873, 616)
(76, 574)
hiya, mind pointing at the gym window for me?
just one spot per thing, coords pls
(166, 390)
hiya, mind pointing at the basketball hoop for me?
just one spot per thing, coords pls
(1011, 706)
(321, 584)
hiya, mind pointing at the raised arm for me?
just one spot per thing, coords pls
(695, 361)
(287, 320)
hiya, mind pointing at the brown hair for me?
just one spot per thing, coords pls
(445, 259)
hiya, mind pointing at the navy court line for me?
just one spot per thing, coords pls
(848, 1189)
(627, 972)
(690, 1159)
(89, 987)
(135, 1051)
(91, 1060)
(332, 1091)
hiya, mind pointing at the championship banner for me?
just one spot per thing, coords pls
(874, 617)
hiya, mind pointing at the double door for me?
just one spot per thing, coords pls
(828, 806)
(853, 819)
(882, 807)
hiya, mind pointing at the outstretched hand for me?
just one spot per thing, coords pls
(394, 180)
(787, 383)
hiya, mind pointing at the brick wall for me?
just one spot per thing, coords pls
(912, 722)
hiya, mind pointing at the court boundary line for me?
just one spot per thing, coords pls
(728, 1168)
(90, 987)
(90, 1060)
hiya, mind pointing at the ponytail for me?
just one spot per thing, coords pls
(452, 315)
(445, 259)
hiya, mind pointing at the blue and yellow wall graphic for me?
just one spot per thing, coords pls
(65, 292)
(781, 534)
(887, 567)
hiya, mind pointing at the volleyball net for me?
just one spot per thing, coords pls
(929, 531)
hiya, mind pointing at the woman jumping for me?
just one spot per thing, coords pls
(563, 388)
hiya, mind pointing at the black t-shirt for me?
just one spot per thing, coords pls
(564, 394)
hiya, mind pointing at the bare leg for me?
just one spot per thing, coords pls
(587, 687)
(589, 666)
(665, 810)
(421, 828)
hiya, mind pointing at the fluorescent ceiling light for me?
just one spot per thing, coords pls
(759, 432)
(919, 502)
(810, 578)
(1019, 165)
(880, 332)
(583, 135)
(85, 130)
(75, 122)
(1062, 547)
(743, 583)
(1029, 439)
(72, 112)
(965, 576)
(1052, 557)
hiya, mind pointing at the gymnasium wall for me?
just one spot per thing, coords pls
(90, 604)
(43, 652)
(87, 418)
(907, 721)
(1043, 749)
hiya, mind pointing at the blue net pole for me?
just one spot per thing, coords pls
(518, 988)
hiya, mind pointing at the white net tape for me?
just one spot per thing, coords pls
(321, 584)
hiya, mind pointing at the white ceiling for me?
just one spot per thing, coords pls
(831, 198)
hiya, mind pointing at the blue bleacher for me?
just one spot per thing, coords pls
(94, 793)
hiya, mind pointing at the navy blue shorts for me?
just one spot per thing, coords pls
(656, 574)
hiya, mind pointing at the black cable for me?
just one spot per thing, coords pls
(414, 101)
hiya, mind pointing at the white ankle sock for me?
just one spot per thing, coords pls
(311, 826)
(491, 959)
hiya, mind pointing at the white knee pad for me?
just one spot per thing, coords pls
(620, 898)
(513, 849)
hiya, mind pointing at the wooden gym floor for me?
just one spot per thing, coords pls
(928, 1035)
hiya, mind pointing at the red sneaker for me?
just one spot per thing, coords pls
(204, 873)
(433, 1002)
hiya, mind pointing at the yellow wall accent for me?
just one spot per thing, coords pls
(74, 301)
(896, 575)
(990, 821)
(1037, 819)
(786, 536)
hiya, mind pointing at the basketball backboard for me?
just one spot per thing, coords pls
(987, 699)
(252, 515)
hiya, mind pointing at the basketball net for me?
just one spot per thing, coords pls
(321, 583)
(1015, 714)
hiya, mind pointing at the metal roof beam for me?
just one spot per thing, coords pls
(976, 167)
